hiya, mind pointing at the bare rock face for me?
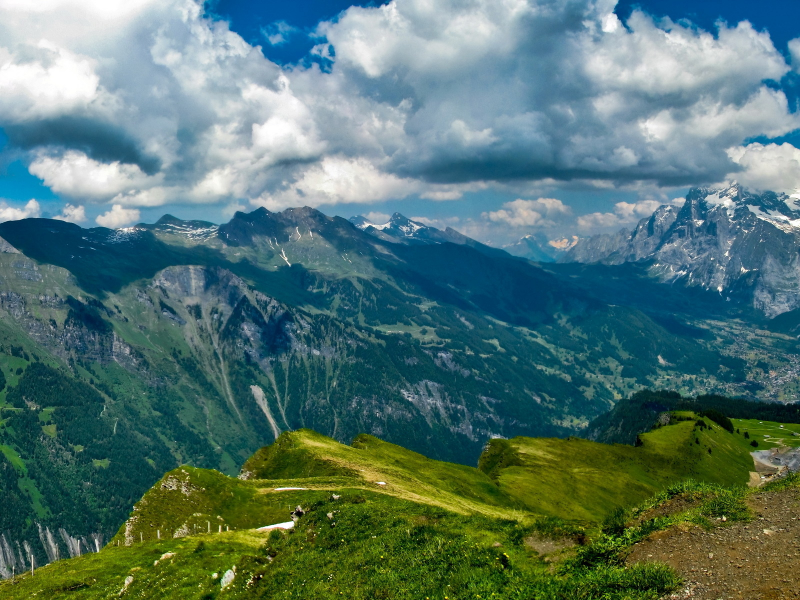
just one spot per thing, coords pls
(596, 248)
(731, 241)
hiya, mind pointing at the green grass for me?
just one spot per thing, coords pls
(194, 500)
(580, 479)
(707, 505)
(407, 474)
(435, 530)
(28, 487)
(363, 546)
(768, 434)
(14, 458)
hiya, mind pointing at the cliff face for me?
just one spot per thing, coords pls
(740, 244)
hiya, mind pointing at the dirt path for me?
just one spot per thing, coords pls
(759, 560)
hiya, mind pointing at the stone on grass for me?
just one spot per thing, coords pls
(228, 578)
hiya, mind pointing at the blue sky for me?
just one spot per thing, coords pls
(573, 122)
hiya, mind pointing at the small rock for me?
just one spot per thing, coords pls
(330, 515)
(724, 518)
(214, 575)
(228, 578)
(297, 513)
(335, 496)
(497, 545)
(128, 582)
(165, 556)
(710, 555)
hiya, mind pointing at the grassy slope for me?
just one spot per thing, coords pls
(374, 546)
(768, 434)
(435, 530)
(396, 541)
(408, 475)
(199, 500)
(579, 479)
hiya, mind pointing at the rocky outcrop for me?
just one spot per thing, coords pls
(737, 243)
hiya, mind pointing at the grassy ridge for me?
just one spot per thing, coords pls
(189, 501)
(362, 546)
(407, 474)
(580, 479)
(384, 522)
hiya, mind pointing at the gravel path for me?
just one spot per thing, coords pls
(759, 560)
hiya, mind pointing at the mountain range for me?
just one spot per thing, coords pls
(125, 353)
(739, 244)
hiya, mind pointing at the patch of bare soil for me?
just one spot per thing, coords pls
(670, 507)
(543, 545)
(759, 560)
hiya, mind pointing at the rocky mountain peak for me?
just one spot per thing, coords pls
(730, 240)
(398, 226)
(169, 224)
(739, 202)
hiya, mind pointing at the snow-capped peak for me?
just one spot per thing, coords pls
(397, 225)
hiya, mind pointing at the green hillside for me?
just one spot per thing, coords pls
(361, 546)
(196, 500)
(580, 479)
(769, 434)
(637, 414)
(381, 521)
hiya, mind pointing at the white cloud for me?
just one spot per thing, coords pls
(118, 217)
(590, 100)
(544, 212)
(337, 180)
(52, 81)
(72, 214)
(278, 33)
(625, 213)
(378, 218)
(767, 166)
(96, 8)
(145, 102)
(75, 175)
(794, 51)
(12, 213)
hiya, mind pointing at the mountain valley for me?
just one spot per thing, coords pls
(126, 353)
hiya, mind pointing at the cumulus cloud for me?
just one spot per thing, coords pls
(13, 213)
(591, 99)
(44, 81)
(339, 180)
(625, 213)
(118, 217)
(767, 166)
(75, 175)
(544, 212)
(72, 214)
(377, 217)
(147, 102)
(794, 51)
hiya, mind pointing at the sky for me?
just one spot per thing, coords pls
(499, 118)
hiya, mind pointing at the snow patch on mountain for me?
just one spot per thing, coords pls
(721, 240)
